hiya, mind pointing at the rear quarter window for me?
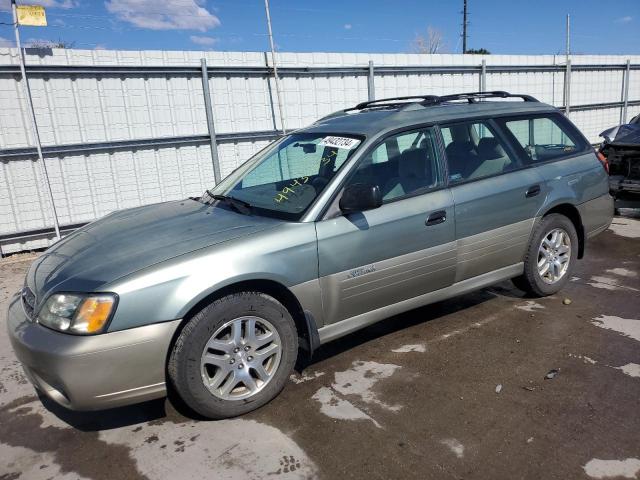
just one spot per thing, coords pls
(544, 137)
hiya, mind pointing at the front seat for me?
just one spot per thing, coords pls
(414, 172)
(461, 158)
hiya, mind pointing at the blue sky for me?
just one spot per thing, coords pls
(501, 26)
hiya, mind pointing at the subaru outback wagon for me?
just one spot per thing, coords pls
(369, 212)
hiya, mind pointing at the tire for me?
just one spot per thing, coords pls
(230, 358)
(532, 281)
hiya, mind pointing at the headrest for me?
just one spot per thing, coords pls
(459, 148)
(413, 163)
(489, 148)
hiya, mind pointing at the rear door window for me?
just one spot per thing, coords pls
(544, 138)
(474, 151)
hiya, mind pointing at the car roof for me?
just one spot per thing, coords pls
(374, 118)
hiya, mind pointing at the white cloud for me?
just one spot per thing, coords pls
(348, 26)
(155, 15)
(6, 43)
(625, 19)
(203, 41)
(66, 4)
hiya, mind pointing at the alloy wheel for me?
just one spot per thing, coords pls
(241, 358)
(554, 255)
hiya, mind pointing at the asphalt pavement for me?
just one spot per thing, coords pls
(489, 385)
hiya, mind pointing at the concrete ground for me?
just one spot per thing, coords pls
(452, 390)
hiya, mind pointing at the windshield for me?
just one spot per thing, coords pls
(285, 179)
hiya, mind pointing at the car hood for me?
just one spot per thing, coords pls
(126, 241)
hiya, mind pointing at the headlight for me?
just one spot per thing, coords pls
(77, 313)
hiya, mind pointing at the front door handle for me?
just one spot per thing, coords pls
(533, 191)
(436, 217)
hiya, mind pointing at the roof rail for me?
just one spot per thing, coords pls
(472, 96)
(426, 100)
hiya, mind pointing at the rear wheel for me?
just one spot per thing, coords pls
(550, 257)
(234, 355)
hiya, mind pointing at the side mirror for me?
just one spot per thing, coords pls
(360, 197)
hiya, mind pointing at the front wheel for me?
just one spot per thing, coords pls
(234, 355)
(550, 257)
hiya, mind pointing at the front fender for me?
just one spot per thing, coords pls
(167, 291)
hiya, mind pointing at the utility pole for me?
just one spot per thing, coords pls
(275, 67)
(568, 47)
(34, 124)
(567, 74)
(464, 27)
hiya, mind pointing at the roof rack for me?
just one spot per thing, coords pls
(426, 100)
(394, 102)
(472, 97)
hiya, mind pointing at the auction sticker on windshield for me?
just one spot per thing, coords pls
(339, 142)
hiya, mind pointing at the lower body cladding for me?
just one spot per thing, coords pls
(92, 372)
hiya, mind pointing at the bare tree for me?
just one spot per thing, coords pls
(43, 44)
(433, 43)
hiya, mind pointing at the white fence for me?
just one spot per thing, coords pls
(124, 128)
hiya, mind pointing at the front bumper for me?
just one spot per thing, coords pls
(92, 372)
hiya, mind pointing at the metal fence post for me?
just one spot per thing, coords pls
(625, 93)
(483, 76)
(567, 89)
(34, 123)
(209, 111)
(371, 85)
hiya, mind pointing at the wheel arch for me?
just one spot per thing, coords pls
(306, 327)
(571, 212)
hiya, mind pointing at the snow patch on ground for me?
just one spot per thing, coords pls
(626, 227)
(622, 272)
(419, 347)
(626, 326)
(355, 386)
(455, 446)
(32, 465)
(227, 449)
(530, 306)
(335, 407)
(360, 379)
(305, 377)
(584, 358)
(236, 448)
(597, 468)
(631, 369)
(606, 283)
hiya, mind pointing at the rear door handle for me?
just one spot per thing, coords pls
(436, 217)
(533, 191)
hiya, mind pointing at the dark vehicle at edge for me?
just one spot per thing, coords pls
(621, 147)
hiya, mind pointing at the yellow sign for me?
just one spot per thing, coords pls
(32, 16)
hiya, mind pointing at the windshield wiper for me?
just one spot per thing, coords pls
(239, 205)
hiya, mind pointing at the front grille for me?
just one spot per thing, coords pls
(28, 301)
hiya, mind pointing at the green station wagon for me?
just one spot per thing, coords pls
(369, 212)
